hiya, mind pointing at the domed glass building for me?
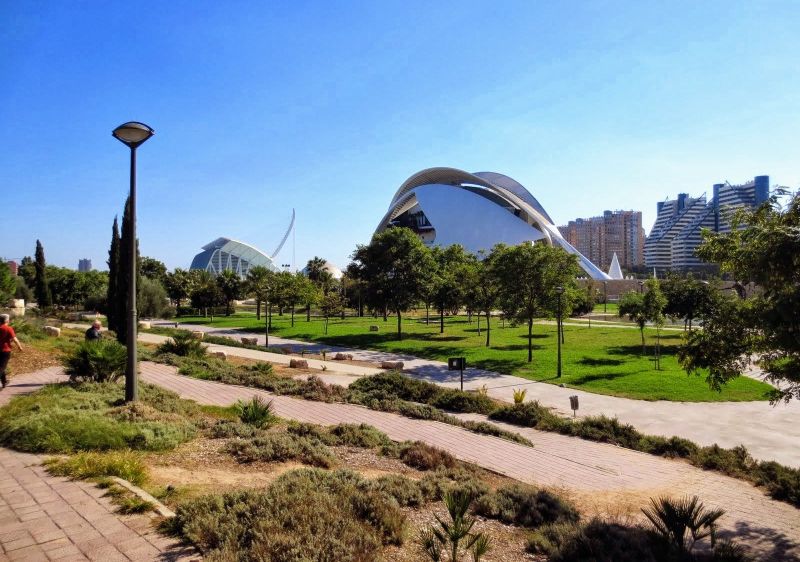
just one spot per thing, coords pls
(224, 253)
(447, 206)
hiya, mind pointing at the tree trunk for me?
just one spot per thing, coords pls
(641, 330)
(269, 315)
(530, 339)
(441, 320)
(399, 326)
(308, 313)
(292, 316)
(326, 324)
(427, 314)
(258, 309)
(266, 332)
(488, 326)
(479, 323)
(385, 313)
(227, 308)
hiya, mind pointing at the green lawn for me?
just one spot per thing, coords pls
(602, 360)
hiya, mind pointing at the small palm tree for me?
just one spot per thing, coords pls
(681, 523)
(453, 533)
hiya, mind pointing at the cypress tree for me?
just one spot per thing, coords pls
(124, 273)
(42, 289)
(112, 296)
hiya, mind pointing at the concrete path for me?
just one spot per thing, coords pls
(768, 432)
(771, 528)
(43, 517)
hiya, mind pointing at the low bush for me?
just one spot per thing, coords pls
(127, 465)
(96, 361)
(304, 515)
(257, 412)
(674, 447)
(782, 482)
(438, 482)
(406, 492)
(67, 418)
(182, 344)
(225, 429)
(361, 435)
(604, 430)
(595, 541)
(525, 506)
(529, 414)
(422, 456)
(735, 462)
(280, 447)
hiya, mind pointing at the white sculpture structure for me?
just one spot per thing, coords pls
(615, 271)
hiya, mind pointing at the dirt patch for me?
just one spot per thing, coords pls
(623, 505)
(32, 359)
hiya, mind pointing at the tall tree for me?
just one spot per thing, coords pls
(178, 284)
(153, 269)
(632, 305)
(762, 248)
(258, 284)
(27, 270)
(230, 285)
(113, 296)
(42, 288)
(8, 285)
(450, 264)
(314, 269)
(205, 291)
(487, 287)
(331, 305)
(528, 275)
(395, 264)
(124, 273)
(654, 302)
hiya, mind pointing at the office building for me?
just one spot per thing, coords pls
(614, 232)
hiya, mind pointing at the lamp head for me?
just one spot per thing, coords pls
(560, 290)
(133, 133)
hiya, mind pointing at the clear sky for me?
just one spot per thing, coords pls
(328, 107)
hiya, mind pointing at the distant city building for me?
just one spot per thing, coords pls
(224, 253)
(14, 267)
(85, 265)
(445, 206)
(676, 234)
(615, 232)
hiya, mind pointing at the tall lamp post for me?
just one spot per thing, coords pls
(559, 292)
(132, 134)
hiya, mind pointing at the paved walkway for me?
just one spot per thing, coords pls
(768, 432)
(43, 517)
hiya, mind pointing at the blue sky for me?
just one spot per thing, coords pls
(327, 107)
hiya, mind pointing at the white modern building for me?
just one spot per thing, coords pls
(447, 206)
(224, 253)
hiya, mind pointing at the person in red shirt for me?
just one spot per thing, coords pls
(7, 337)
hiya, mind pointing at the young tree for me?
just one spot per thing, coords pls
(113, 308)
(152, 298)
(448, 289)
(124, 272)
(632, 305)
(8, 285)
(178, 285)
(395, 264)
(258, 284)
(27, 270)
(42, 288)
(528, 275)
(654, 302)
(487, 288)
(230, 285)
(153, 269)
(762, 248)
(205, 291)
(331, 305)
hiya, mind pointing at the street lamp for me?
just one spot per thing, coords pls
(559, 292)
(132, 134)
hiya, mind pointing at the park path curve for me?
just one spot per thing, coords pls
(770, 528)
(45, 517)
(768, 432)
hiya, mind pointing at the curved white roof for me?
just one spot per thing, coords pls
(335, 272)
(478, 211)
(226, 253)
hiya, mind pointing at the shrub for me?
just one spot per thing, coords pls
(519, 395)
(422, 456)
(304, 515)
(183, 344)
(529, 414)
(404, 491)
(151, 299)
(96, 361)
(435, 484)
(224, 429)
(782, 483)
(674, 447)
(733, 462)
(66, 418)
(595, 541)
(279, 447)
(459, 401)
(681, 523)
(257, 412)
(525, 506)
(127, 465)
(133, 504)
(606, 430)
(361, 435)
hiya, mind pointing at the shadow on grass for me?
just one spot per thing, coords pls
(586, 379)
(536, 336)
(666, 350)
(602, 362)
(505, 366)
(517, 347)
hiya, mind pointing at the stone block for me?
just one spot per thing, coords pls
(198, 335)
(220, 355)
(144, 325)
(298, 364)
(250, 341)
(343, 357)
(394, 365)
(373, 328)
(52, 331)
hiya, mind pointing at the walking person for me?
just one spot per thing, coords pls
(7, 337)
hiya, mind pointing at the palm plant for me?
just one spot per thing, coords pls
(184, 344)
(256, 412)
(451, 534)
(681, 523)
(519, 395)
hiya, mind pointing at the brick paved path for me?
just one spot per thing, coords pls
(43, 517)
(770, 528)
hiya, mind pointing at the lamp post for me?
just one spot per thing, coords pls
(132, 134)
(605, 297)
(559, 292)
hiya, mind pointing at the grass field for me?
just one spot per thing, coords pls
(604, 360)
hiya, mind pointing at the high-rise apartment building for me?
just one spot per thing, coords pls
(85, 265)
(676, 234)
(599, 238)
